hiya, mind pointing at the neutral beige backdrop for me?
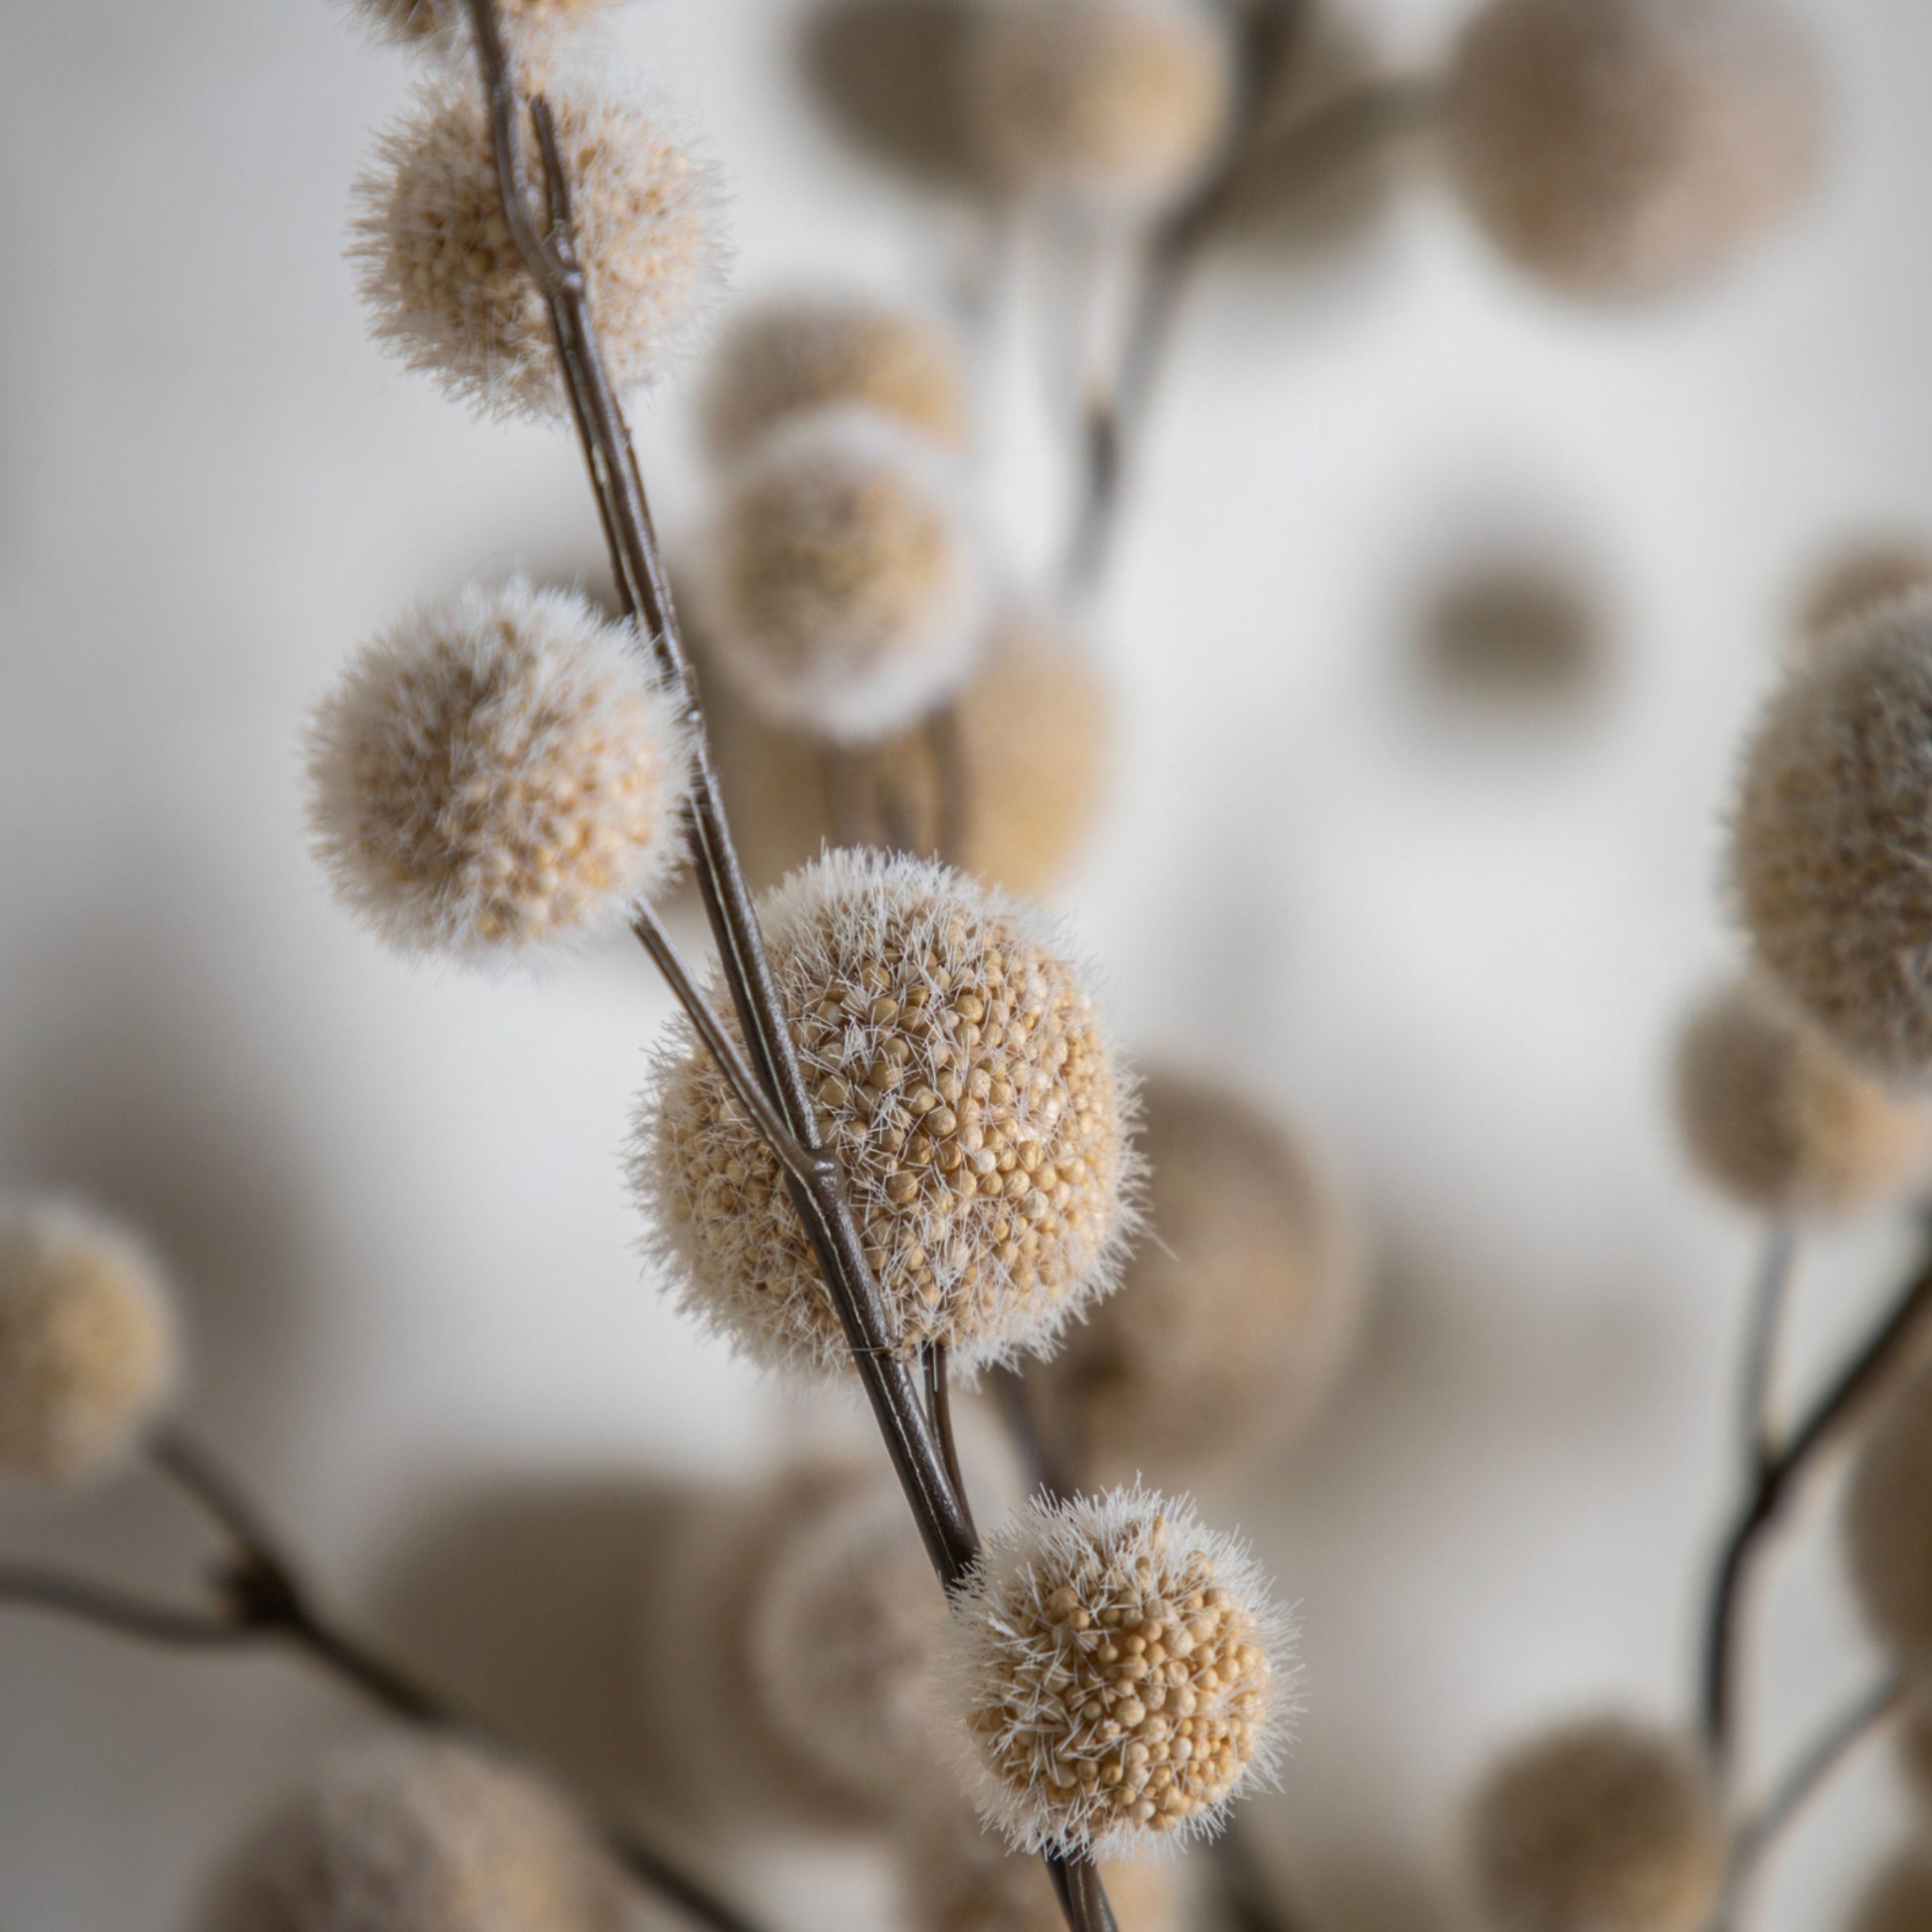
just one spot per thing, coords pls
(1452, 942)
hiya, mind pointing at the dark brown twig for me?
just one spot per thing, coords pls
(1763, 1349)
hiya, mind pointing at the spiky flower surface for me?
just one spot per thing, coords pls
(843, 592)
(1899, 1899)
(1036, 726)
(1113, 106)
(1887, 1524)
(1831, 843)
(1235, 1317)
(964, 1080)
(1603, 1826)
(416, 1835)
(420, 22)
(88, 1353)
(787, 358)
(1619, 148)
(1779, 1122)
(497, 772)
(1120, 1673)
(449, 292)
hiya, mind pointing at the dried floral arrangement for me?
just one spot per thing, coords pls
(890, 1139)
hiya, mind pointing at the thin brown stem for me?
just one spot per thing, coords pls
(936, 1361)
(1764, 1348)
(1037, 1433)
(29, 1588)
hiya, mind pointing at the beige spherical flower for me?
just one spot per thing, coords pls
(1859, 580)
(964, 1080)
(449, 291)
(1116, 108)
(1619, 148)
(842, 592)
(1238, 1312)
(413, 1835)
(1119, 1673)
(497, 772)
(788, 358)
(1603, 1826)
(422, 21)
(88, 1353)
(1777, 1121)
(1899, 1899)
(1831, 844)
(1888, 1520)
(1036, 727)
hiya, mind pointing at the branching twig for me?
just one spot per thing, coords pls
(1763, 1349)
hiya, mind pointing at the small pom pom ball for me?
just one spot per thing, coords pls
(790, 358)
(1831, 841)
(88, 1350)
(1112, 107)
(1036, 731)
(1779, 1122)
(413, 1835)
(842, 592)
(448, 290)
(1899, 1899)
(1237, 1312)
(441, 20)
(1860, 581)
(496, 773)
(964, 1080)
(1603, 1826)
(1618, 149)
(1119, 1672)
(1888, 1520)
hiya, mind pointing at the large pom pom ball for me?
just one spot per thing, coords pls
(1603, 1826)
(843, 592)
(964, 1080)
(1119, 1672)
(448, 289)
(1619, 148)
(497, 772)
(1831, 844)
(1888, 1520)
(1779, 1122)
(417, 1836)
(88, 1351)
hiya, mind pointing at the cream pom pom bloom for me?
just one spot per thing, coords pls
(1888, 1520)
(1116, 108)
(444, 281)
(423, 21)
(1119, 1674)
(963, 1079)
(787, 358)
(1618, 148)
(413, 1835)
(1831, 843)
(841, 590)
(1777, 1121)
(1603, 1826)
(89, 1349)
(497, 772)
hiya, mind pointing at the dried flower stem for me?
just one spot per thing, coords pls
(1763, 1349)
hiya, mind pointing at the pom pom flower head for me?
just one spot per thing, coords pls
(843, 593)
(419, 21)
(414, 1836)
(1888, 1524)
(1618, 148)
(88, 1354)
(1831, 843)
(496, 773)
(964, 1080)
(1120, 1673)
(450, 293)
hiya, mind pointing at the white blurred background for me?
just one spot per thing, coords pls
(1451, 937)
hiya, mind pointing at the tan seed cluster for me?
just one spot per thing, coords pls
(963, 1079)
(1831, 845)
(1603, 1826)
(1899, 1899)
(1777, 1121)
(1888, 1525)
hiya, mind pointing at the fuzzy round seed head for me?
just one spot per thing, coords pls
(415, 1835)
(787, 360)
(1035, 734)
(420, 22)
(1115, 108)
(1620, 148)
(1119, 1673)
(843, 593)
(1603, 1826)
(954, 1877)
(1888, 1520)
(1860, 581)
(1831, 841)
(964, 1080)
(1237, 1314)
(497, 772)
(88, 1353)
(449, 292)
(1774, 1118)
(1899, 1899)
